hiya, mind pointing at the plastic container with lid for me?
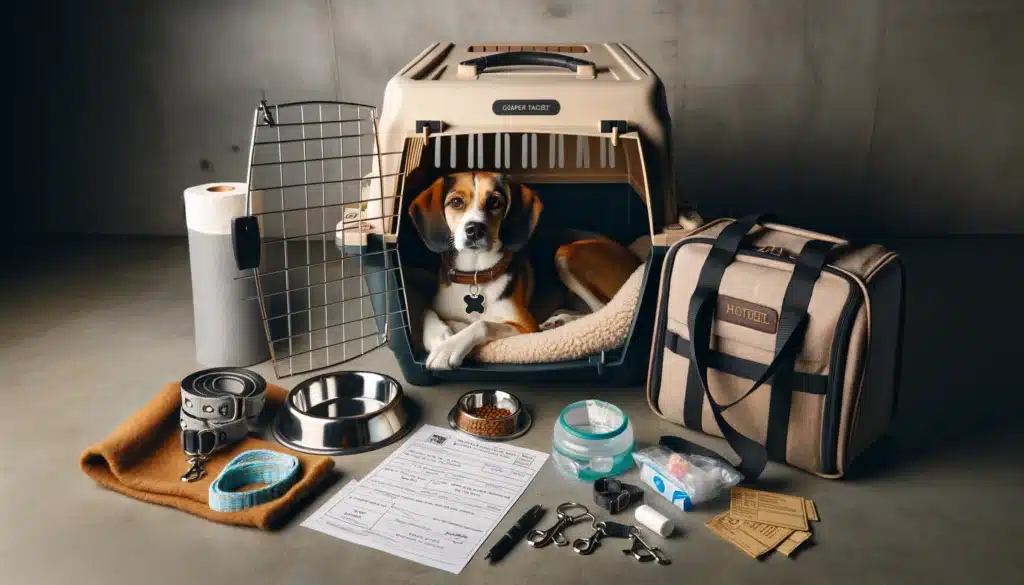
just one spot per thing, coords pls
(592, 439)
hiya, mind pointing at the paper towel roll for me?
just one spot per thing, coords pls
(228, 328)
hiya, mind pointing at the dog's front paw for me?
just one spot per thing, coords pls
(446, 356)
(557, 320)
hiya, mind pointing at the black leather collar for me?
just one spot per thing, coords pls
(615, 496)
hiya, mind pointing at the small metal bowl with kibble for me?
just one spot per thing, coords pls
(492, 415)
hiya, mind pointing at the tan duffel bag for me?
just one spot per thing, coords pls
(786, 343)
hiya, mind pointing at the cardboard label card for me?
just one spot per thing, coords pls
(753, 538)
(768, 508)
(793, 542)
(811, 510)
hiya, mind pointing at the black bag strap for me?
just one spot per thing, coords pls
(792, 325)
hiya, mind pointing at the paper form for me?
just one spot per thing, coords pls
(793, 542)
(812, 510)
(753, 538)
(434, 500)
(768, 508)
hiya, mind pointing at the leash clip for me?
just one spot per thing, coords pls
(196, 471)
(198, 456)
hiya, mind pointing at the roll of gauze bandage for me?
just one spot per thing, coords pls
(228, 324)
(655, 520)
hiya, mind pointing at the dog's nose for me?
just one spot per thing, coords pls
(476, 230)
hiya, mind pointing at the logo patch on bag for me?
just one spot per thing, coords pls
(745, 314)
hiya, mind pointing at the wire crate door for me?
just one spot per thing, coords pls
(326, 284)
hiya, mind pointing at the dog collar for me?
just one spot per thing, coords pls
(615, 496)
(213, 417)
(477, 277)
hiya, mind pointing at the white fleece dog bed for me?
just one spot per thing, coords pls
(603, 330)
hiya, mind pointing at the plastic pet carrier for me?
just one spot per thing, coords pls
(339, 267)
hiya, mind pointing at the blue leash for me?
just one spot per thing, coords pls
(278, 470)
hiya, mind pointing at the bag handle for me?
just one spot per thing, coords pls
(789, 338)
(473, 67)
(769, 221)
(805, 233)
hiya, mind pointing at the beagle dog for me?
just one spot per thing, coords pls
(491, 284)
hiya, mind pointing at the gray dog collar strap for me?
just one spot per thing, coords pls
(219, 407)
(223, 394)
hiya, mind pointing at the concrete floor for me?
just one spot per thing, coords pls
(91, 328)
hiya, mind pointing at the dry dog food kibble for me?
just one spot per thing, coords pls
(491, 411)
(495, 423)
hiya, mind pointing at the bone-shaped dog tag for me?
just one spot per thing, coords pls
(474, 303)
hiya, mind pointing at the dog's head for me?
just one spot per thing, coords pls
(477, 211)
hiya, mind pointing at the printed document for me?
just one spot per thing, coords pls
(434, 500)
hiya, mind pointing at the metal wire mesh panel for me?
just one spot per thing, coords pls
(313, 167)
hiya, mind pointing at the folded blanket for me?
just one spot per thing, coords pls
(143, 459)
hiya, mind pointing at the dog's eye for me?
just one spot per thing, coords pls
(456, 203)
(494, 202)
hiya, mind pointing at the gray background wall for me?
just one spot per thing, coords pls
(855, 116)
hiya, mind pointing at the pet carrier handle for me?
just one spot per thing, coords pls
(473, 67)
(789, 338)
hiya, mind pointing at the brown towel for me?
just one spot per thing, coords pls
(142, 458)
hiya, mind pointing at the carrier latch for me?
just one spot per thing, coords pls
(615, 127)
(425, 127)
(268, 118)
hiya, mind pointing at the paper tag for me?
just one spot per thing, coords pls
(352, 219)
(768, 508)
(811, 510)
(753, 538)
(352, 214)
(793, 542)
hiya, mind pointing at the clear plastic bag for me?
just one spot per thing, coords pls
(685, 479)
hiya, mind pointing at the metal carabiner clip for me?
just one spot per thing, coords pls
(643, 552)
(541, 538)
(585, 546)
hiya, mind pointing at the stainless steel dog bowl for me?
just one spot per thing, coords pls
(466, 415)
(343, 413)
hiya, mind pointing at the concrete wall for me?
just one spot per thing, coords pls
(866, 116)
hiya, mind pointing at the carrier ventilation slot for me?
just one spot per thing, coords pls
(469, 151)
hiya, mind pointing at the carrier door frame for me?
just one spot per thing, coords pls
(414, 148)
(301, 156)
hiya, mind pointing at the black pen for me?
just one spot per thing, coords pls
(515, 534)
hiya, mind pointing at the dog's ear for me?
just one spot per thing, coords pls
(524, 209)
(427, 214)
